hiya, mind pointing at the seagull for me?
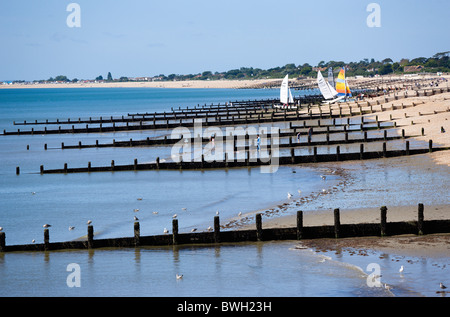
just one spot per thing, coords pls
(184, 208)
(193, 230)
(1, 228)
(401, 269)
(155, 212)
(323, 177)
(299, 191)
(217, 212)
(240, 213)
(136, 218)
(33, 193)
(46, 225)
(136, 210)
(174, 216)
(324, 190)
(209, 228)
(387, 287)
(139, 199)
(442, 286)
(71, 228)
(33, 241)
(289, 195)
(89, 222)
(179, 276)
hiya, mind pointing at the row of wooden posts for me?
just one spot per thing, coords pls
(216, 235)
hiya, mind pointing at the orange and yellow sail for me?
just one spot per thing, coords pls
(341, 84)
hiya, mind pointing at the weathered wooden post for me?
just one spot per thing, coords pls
(259, 232)
(216, 229)
(338, 153)
(175, 231)
(430, 145)
(112, 165)
(299, 224)
(135, 164)
(407, 147)
(2, 242)
(337, 223)
(137, 233)
(65, 167)
(41, 169)
(315, 154)
(17, 170)
(90, 236)
(384, 149)
(361, 151)
(46, 239)
(420, 219)
(383, 221)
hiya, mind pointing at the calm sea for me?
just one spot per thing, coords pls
(111, 200)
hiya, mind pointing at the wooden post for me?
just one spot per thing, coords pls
(337, 223)
(384, 149)
(157, 162)
(420, 219)
(361, 151)
(17, 170)
(112, 165)
(46, 239)
(259, 232)
(90, 235)
(299, 224)
(65, 167)
(407, 147)
(216, 229)
(175, 231)
(383, 221)
(137, 233)
(338, 153)
(430, 145)
(2, 242)
(315, 154)
(135, 164)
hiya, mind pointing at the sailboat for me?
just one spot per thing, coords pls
(342, 85)
(328, 92)
(285, 92)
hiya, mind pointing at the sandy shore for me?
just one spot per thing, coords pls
(218, 84)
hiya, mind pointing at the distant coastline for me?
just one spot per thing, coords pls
(224, 84)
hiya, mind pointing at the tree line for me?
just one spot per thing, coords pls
(439, 62)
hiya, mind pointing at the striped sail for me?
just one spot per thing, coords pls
(341, 84)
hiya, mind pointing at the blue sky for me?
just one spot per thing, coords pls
(148, 37)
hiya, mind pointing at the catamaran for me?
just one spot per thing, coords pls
(285, 93)
(330, 94)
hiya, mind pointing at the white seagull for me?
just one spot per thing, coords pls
(71, 228)
(240, 213)
(179, 276)
(184, 208)
(289, 195)
(89, 222)
(193, 230)
(401, 269)
(209, 228)
(442, 286)
(33, 241)
(46, 225)
(155, 212)
(136, 210)
(136, 218)
(165, 230)
(174, 216)
(217, 212)
(1, 228)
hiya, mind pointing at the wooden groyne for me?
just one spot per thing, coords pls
(215, 234)
(248, 161)
(260, 113)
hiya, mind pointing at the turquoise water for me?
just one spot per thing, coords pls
(29, 200)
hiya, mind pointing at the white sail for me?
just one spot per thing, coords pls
(285, 92)
(327, 91)
(333, 91)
